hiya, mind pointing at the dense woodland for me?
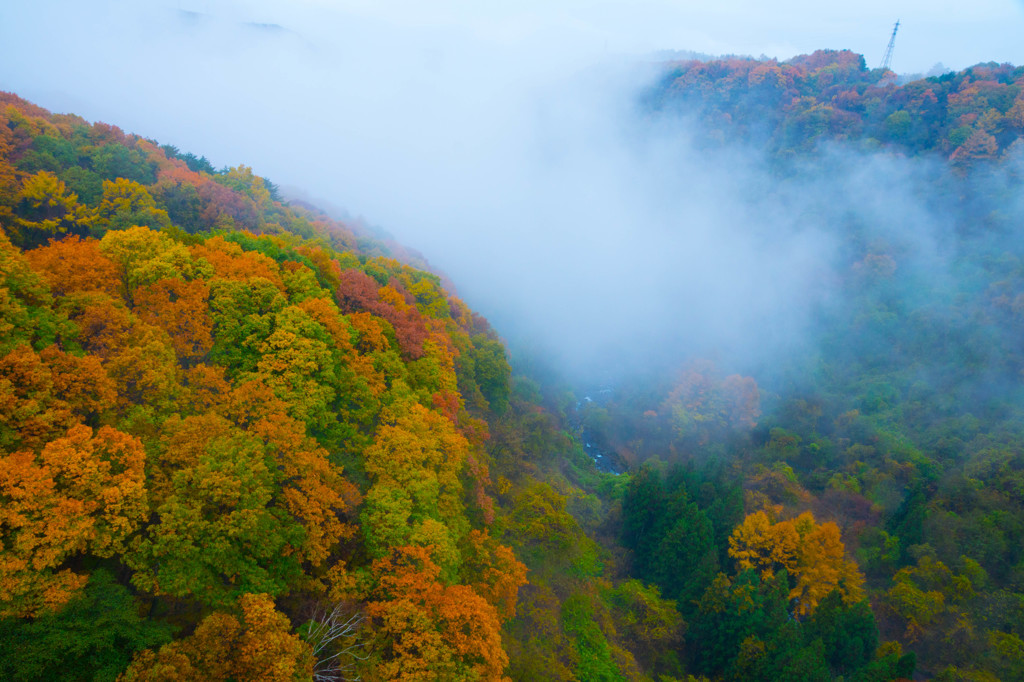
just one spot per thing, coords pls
(791, 107)
(240, 440)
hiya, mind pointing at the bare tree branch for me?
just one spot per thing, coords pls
(338, 644)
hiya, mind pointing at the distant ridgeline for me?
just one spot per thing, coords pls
(974, 115)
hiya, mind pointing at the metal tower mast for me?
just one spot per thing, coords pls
(887, 59)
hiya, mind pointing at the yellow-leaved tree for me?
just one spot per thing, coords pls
(812, 553)
(47, 208)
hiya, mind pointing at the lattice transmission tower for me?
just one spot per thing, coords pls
(887, 59)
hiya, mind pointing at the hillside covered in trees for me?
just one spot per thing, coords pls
(240, 440)
(792, 107)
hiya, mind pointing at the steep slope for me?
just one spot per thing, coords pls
(239, 441)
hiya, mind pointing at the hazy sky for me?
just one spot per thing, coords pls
(957, 34)
(497, 138)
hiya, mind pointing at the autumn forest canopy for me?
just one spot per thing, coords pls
(243, 440)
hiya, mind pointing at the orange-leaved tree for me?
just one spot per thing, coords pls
(430, 630)
(312, 490)
(84, 493)
(73, 264)
(182, 310)
(257, 647)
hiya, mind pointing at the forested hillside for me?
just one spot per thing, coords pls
(793, 106)
(240, 440)
(899, 428)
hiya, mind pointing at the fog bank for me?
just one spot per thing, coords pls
(508, 149)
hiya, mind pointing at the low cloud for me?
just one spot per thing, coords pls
(509, 149)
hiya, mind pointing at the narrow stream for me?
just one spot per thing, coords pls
(607, 462)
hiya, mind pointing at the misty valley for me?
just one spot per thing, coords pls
(770, 426)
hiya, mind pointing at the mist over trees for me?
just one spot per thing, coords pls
(240, 439)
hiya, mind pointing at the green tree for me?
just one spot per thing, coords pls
(217, 535)
(848, 633)
(730, 612)
(650, 625)
(243, 313)
(594, 655)
(114, 160)
(491, 371)
(686, 560)
(642, 516)
(93, 637)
